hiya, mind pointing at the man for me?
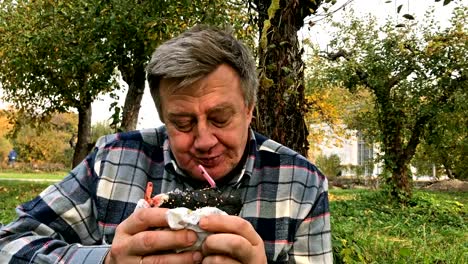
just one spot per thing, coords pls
(204, 87)
(12, 158)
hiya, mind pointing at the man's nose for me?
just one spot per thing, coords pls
(204, 138)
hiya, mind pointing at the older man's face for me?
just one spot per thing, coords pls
(207, 122)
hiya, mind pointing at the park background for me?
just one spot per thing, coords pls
(377, 217)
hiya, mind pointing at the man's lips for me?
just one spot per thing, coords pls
(208, 161)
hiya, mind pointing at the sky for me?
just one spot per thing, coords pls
(148, 117)
(383, 11)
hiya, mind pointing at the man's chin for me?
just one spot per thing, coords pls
(218, 173)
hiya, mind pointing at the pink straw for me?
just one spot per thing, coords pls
(207, 176)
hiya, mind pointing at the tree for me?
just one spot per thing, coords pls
(282, 106)
(414, 72)
(333, 108)
(329, 165)
(60, 55)
(446, 142)
(5, 128)
(100, 129)
(45, 145)
(281, 100)
(135, 29)
(52, 61)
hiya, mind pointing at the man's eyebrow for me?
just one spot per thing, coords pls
(221, 108)
(179, 115)
(225, 107)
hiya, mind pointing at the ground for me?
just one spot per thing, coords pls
(442, 185)
(449, 185)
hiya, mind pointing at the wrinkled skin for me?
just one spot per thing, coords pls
(207, 123)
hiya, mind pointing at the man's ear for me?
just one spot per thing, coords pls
(249, 112)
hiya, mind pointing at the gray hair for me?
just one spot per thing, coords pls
(196, 53)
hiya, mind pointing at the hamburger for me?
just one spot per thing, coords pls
(196, 199)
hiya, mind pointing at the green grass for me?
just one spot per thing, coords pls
(17, 187)
(366, 226)
(13, 193)
(48, 176)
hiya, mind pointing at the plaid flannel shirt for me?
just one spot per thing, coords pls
(74, 221)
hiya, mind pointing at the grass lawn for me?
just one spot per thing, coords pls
(37, 176)
(366, 226)
(12, 193)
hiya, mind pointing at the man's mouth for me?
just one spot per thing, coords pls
(209, 161)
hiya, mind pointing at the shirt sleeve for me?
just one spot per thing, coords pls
(59, 225)
(313, 237)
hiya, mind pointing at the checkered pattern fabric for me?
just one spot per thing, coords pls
(74, 221)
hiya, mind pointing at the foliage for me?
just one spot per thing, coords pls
(367, 227)
(5, 148)
(334, 110)
(135, 29)
(100, 129)
(47, 143)
(53, 60)
(329, 165)
(5, 124)
(409, 16)
(446, 143)
(414, 72)
(58, 55)
(5, 128)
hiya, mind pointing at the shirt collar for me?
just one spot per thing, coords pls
(246, 172)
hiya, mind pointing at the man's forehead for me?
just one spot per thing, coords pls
(221, 108)
(172, 85)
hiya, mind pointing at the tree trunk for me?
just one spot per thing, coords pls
(396, 155)
(401, 184)
(84, 133)
(448, 171)
(135, 78)
(281, 100)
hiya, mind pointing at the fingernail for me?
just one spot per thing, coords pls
(191, 237)
(197, 257)
(202, 223)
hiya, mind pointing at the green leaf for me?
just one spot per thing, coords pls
(446, 2)
(408, 16)
(286, 69)
(399, 8)
(405, 252)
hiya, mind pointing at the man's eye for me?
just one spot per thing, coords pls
(220, 122)
(183, 126)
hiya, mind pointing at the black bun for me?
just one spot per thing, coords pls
(195, 199)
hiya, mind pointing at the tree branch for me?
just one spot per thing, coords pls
(333, 56)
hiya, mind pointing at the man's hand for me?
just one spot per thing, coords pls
(234, 241)
(137, 241)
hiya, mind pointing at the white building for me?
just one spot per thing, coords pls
(356, 155)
